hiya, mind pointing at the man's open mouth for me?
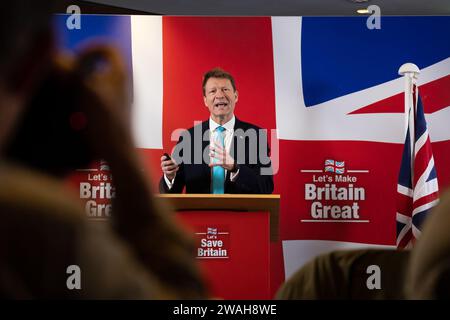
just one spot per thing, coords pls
(221, 104)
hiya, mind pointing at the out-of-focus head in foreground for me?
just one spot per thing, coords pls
(25, 54)
(428, 276)
(58, 114)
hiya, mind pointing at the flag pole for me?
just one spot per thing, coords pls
(411, 72)
(417, 188)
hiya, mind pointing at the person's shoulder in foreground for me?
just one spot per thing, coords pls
(44, 232)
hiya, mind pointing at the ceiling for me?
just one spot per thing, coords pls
(281, 7)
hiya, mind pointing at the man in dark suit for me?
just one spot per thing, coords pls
(222, 154)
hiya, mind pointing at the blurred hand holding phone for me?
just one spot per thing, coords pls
(168, 166)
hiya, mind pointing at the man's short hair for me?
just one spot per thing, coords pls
(217, 73)
(23, 23)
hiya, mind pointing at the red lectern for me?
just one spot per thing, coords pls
(232, 235)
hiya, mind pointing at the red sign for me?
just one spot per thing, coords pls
(95, 189)
(212, 242)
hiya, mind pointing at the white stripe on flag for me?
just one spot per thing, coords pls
(286, 32)
(438, 127)
(425, 207)
(403, 218)
(430, 187)
(438, 123)
(404, 190)
(147, 55)
(295, 121)
(407, 221)
(422, 185)
(420, 142)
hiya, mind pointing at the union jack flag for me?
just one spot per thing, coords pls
(334, 166)
(211, 233)
(104, 165)
(417, 189)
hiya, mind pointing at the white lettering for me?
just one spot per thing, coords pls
(74, 280)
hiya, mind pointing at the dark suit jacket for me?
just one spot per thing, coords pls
(197, 177)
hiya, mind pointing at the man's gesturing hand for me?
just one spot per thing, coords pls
(169, 167)
(221, 158)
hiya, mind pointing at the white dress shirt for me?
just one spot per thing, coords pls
(229, 131)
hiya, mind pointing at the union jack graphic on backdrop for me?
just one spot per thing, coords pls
(104, 165)
(337, 167)
(417, 189)
(211, 233)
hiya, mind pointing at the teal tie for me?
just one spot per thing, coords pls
(218, 172)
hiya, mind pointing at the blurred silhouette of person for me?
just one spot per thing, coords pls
(428, 275)
(141, 253)
(342, 274)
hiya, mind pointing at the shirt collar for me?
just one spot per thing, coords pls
(229, 126)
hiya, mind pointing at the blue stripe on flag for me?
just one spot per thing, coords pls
(404, 178)
(433, 174)
(331, 46)
(400, 227)
(421, 125)
(419, 218)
